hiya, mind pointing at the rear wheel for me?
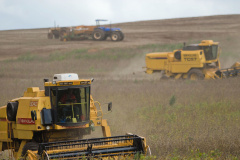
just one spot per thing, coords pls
(121, 36)
(33, 146)
(98, 35)
(195, 74)
(115, 36)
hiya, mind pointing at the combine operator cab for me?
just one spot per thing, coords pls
(70, 100)
(210, 49)
(71, 105)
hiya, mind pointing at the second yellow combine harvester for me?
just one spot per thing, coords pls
(195, 61)
(51, 123)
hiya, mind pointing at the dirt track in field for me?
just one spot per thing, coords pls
(16, 42)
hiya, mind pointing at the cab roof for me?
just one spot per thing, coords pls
(67, 79)
(208, 43)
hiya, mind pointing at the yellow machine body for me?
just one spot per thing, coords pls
(197, 61)
(40, 116)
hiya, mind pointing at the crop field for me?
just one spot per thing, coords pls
(181, 119)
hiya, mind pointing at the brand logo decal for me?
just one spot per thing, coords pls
(25, 121)
(33, 103)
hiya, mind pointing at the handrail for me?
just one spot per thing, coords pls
(100, 110)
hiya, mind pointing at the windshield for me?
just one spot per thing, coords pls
(71, 105)
(210, 52)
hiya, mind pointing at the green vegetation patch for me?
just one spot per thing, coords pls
(201, 131)
(100, 54)
(161, 48)
(108, 54)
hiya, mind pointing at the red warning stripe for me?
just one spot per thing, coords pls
(3, 119)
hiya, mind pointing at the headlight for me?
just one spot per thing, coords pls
(48, 128)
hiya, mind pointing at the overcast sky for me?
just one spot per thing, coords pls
(24, 14)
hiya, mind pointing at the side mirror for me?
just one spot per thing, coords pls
(110, 106)
(33, 115)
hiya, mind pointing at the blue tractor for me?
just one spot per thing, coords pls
(102, 33)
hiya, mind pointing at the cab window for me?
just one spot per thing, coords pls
(210, 52)
(72, 105)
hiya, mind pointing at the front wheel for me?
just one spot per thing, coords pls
(195, 74)
(115, 36)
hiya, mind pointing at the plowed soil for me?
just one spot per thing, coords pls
(16, 42)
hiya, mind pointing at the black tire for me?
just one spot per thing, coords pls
(12, 108)
(29, 146)
(195, 74)
(50, 36)
(121, 36)
(115, 36)
(98, 35)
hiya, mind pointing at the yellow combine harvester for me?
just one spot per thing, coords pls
(196, 61)
(50, 124)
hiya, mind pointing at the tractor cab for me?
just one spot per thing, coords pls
(106, 29)
(70, 99)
